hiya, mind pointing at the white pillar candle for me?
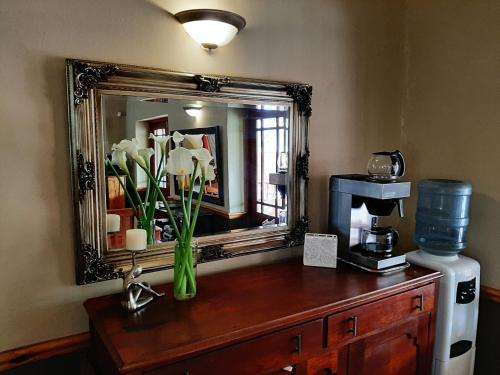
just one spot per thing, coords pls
(112, 223)
(136, 239)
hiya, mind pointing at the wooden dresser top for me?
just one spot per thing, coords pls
(237, 305)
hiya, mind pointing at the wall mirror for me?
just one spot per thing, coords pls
(255, 130)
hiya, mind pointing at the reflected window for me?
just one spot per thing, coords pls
(158, 127)
(272, 149)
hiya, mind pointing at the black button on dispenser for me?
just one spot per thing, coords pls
(466, 291)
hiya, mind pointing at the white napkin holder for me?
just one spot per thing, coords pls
(320, 250)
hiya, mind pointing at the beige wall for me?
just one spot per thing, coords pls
(350, 51)
(450, 124)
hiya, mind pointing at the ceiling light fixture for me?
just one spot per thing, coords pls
(211, 28)
(193, 110)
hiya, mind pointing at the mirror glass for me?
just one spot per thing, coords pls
(249, 145)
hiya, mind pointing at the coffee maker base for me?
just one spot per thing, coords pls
(380, 271)
(373, 260)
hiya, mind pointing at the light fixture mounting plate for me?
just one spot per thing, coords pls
(211, 14)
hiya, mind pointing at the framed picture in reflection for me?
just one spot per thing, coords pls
(214, 190)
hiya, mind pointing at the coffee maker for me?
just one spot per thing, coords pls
(357, 202)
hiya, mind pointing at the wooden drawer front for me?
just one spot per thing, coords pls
(257, 356)
(348, 325)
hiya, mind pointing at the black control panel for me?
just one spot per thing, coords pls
(466, 291)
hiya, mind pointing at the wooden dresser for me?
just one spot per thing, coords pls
(275, 319)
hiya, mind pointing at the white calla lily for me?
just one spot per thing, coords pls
(193, 141)
(177, 138)
(162, 140)
(145, 154)
(203, 156)
(180, 162)
(131, 148)
(127, 145)
(210, 173)
(119, 158)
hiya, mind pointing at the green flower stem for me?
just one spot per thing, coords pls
(148, 188)
(197, 209)
(152, 201)
(191, 187)
(185, 222)
(169, 211)
(129, 198)
(177, 255)
(138, 197)
(185, 275)
(184, 272)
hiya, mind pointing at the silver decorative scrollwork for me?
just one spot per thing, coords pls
(88, 76)
(298, 232)
(95, 268)
(301, 94)
(214, 252)
(210, 84)
(303, 165)
(86, 175)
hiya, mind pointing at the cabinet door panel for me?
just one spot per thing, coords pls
(400, 350)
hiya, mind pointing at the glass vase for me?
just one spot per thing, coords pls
(185, 270)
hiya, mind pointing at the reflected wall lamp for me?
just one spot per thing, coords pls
(211, 28)
(193, 110)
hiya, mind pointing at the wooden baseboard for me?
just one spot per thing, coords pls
(44, 350)
(491, 294)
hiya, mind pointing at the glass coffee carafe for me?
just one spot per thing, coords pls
(386, 166)
(379, 240)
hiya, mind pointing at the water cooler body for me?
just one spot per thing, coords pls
(442, 219)
(456, 325)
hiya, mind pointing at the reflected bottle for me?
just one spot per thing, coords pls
(282, 217)
(150, 227)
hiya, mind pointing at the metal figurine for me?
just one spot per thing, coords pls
(136, 294)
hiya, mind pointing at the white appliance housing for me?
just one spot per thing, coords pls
(456, 326)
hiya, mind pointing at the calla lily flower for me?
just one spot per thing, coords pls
(127, 145)
(180, 162)
(131, 148)
(204, 158)
(162, 140)
(119, 158)
(178, 138)
(145, 154)
(193, 141)
(210, 173)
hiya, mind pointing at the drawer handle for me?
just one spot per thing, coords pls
(298, 347)
(354, 328)
(288, 369)
(420, 305)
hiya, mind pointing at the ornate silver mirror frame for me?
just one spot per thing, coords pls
(87, 80)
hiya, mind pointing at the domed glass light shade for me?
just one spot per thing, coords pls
(211, 28)
(193, 110)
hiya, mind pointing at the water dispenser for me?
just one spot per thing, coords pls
(442, 220)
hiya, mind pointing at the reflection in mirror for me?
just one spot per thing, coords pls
(249, 145)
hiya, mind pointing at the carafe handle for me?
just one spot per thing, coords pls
(397, 157)
(395, 239)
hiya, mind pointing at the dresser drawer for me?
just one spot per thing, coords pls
(348, 325)
(257, 356)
